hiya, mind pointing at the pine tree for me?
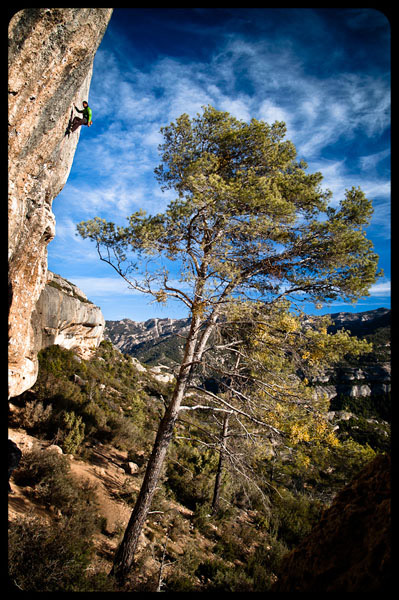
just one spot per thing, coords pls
(248, 223)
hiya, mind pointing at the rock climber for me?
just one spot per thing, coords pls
(85, 120)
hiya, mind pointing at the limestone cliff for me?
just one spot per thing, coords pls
(64, 316)
(371, 380)
(51, 52)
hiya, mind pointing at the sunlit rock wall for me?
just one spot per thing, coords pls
(50, 58)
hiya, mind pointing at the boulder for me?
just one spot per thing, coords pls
(54, 448)
(132, 468)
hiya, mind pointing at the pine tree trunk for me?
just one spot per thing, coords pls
(222, 452)
(125, 554)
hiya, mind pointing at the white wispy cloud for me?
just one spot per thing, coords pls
(370, 161)
(114, 286)
(381, 290)
(381, 220)
(337, 177)
(318, 112)
(102, 286)
(270, 112)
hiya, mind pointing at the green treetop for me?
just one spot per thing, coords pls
(247, 218)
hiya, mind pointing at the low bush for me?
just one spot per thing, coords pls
(367, 434)
(48, 473)
(52, 557)
(190, 474)
(36, 416)
(216, 576)
(377, 407)
(294, 516)
(264, 563)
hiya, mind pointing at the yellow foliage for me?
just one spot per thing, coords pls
(299, 433)
(331, 439)
(161, 297)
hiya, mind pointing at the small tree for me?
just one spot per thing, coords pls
(248, 222)
(275, 356)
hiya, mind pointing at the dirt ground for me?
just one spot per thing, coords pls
(107, 471)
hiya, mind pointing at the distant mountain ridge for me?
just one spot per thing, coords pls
(153, 342)
(158, 342)
(165, 336)
(362, 323)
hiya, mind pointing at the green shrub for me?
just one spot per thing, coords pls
(216, 576)
(95, 419)
(57, 361)
(367, 434)
(52, 557)
(36, 416)
(264, 563)
(73, 432)
(182, 576)
(202, 520)
(190, 474)
(365, 406)
(123, 432)
(295, 515)
(38, 466)
(49, 474)
(179, 582)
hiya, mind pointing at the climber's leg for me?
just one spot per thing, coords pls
(77, 122)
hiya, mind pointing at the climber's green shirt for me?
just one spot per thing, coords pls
(86, 113)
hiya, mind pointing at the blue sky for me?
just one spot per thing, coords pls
(325, 72)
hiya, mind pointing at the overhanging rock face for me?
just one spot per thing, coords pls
(50, 60)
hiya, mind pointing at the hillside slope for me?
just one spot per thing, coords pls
(99, 418)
